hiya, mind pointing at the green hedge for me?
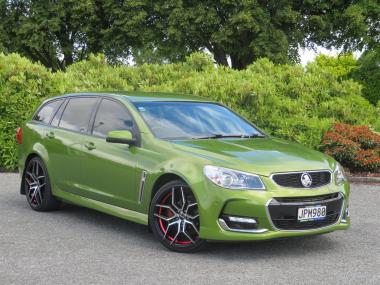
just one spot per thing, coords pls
(287, 101)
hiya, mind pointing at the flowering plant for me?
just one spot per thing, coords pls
(355, 147)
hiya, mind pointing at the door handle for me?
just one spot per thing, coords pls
(50, 135)
(90, 146)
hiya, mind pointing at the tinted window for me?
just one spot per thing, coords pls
(77, 114)
(192, 120)
(47, 111)
(111, 116)
(57, 115)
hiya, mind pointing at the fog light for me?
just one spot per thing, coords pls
(242, 220)
(239, 223)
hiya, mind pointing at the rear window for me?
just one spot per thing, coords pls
(46, 113)
(77, 113)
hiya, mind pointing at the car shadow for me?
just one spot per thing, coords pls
(92, 217)
(290, 247)
(295, 246)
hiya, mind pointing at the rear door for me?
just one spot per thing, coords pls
(39, 128)
(67, 132)
(109, 169)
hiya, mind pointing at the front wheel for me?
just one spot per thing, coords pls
(174, 217)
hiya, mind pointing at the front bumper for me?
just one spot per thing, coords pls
(215, 202)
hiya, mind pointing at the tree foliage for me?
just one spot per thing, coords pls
(365, 70)
(368, 74)
(356, 27)
(58, 33)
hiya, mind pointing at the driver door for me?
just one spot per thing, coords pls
(109, 169)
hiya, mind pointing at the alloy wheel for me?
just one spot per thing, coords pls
(176, 218)
(35, 183)
(37, 187)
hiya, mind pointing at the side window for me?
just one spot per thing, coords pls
(45, 114)
(77, 113)
(111, 116)
(58, 115)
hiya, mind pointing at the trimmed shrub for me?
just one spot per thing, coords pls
(365, 70)
(23, 85)
(355, 147)
(287, 101)
(341, 66)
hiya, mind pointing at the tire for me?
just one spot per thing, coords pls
(38, 188)
(175, 222)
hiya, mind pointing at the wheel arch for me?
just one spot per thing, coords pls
(164, 179)
(161, 181)
(28, 158)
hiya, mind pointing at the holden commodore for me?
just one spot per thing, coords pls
(190, 169)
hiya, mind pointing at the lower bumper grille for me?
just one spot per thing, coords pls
(284, 211)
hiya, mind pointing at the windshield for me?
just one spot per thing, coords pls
(193, 120)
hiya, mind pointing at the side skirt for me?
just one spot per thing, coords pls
(102, 207)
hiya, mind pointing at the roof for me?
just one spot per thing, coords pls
(137, 96)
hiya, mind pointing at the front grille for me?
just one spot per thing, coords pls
(283, 211)
(293, 179)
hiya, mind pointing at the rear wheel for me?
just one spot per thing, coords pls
(174, 217)
(37, 187)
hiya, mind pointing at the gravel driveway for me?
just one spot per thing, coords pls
(81, 246)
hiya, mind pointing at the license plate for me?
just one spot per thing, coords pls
(311, 213)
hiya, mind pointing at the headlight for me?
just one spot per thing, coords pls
(339, 174)
(233, 179)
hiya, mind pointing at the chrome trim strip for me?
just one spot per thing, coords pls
(346, 214)
(144, 174)
(307, 171)
(316, 229)
(305, 203)
(224, 226)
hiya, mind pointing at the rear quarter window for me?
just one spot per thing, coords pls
(47, 111)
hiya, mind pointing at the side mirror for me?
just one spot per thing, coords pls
(123, 137)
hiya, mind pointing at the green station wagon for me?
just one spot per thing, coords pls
(190, 169)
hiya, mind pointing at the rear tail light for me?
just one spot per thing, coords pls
(19, 136)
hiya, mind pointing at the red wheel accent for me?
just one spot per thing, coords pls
(162, 222)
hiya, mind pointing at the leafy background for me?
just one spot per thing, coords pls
(288, 101)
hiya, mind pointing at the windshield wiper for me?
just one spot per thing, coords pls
(253, 136)
(220, 136)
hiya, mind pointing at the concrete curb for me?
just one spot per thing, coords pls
(363, 179)
(3, 170)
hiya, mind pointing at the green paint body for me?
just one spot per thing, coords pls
(107, 178)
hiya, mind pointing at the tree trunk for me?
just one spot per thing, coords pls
(218, 53)
(67, 48)
(241, 61)
(99, 23)
(68, 58)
